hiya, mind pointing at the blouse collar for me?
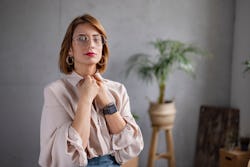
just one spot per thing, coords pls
(74, 78)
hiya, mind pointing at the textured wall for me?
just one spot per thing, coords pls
(31, 33)
(28, 48)
(240, 91)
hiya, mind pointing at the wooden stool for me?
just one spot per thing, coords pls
(153, 147)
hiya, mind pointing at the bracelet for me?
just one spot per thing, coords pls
(109, 109)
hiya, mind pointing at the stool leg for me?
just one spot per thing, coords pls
(153, 146)
(170, 148)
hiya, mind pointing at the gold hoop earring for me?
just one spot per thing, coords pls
(101, 62)
(70, 60)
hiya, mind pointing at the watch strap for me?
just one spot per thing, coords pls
(109, 109)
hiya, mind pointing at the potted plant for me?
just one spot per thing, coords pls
(171, 55)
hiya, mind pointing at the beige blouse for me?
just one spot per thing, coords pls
(61, 145)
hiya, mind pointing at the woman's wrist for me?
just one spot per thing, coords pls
(104, 102)
(84, 102)
(109, 109)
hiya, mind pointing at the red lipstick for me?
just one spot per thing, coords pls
(90, 54)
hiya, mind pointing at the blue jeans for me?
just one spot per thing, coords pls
(103, 161)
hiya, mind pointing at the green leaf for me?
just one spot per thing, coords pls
(171, 54)
(136, 117)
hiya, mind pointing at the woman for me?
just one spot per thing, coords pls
(86, 119)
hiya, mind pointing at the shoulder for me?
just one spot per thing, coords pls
(115, 85)
(55, 86)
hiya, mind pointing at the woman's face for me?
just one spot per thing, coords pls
(86, 47)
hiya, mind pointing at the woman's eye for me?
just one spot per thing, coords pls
(97, 39)
(82, 38)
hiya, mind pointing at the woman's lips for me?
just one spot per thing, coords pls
(90, 54)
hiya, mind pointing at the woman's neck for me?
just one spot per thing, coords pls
(86, 71)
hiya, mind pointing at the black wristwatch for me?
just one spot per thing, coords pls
(109, 109)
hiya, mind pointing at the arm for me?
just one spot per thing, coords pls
(129, 142)
(60, 144)
(115, 121)
(88, 90)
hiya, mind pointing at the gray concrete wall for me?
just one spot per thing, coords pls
(31, 32)
(240, 95)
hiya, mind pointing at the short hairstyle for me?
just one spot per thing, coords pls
(67, 43)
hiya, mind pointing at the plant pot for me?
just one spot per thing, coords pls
(162, 114)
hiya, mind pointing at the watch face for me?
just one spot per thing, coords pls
(109, 109)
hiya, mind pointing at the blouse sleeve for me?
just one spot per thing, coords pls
(129, 142)
(60, 144)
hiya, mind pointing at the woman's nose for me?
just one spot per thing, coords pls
(91, 43)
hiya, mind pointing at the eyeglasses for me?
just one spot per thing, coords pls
(84, 40)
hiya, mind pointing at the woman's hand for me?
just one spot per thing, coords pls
(114, 121)
(102, 97)
(88, 88)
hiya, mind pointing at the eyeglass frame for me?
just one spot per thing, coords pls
(76, 38)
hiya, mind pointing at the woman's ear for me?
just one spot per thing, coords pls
(70, 51)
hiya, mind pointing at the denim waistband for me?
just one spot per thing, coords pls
(103, 161)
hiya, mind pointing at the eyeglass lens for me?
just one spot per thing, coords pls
(84, 40)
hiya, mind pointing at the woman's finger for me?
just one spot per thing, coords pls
(80, 82)
(97, 76)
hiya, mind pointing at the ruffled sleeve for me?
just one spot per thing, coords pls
(60, 144)
(129, 142)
